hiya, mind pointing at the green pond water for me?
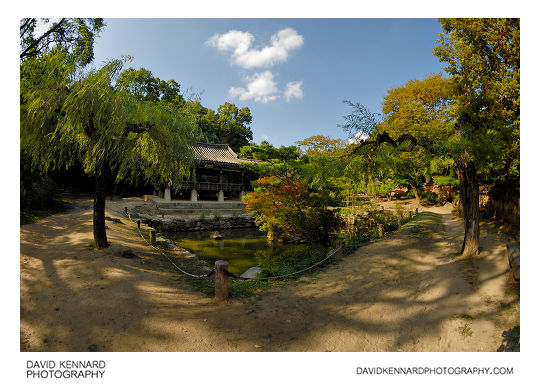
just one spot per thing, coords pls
(243, 248)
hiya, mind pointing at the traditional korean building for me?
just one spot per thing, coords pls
(217, 176)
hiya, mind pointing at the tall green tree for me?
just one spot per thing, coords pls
(144, 86)
(483, 58)
(229, 124)
(286, 202)
(66, 116)
(420, 108)
(74, 36)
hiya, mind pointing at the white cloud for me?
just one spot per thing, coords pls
(244, 56)
(261, 87)
(293, 90)
(357, 138)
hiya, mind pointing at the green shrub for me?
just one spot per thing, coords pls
(410, 193)
(429, 198)
(38, 193)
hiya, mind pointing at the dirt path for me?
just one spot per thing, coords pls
(405, 292)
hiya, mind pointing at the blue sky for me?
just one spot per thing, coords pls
(252, 62)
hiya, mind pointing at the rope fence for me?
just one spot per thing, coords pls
(329, 255)
(162, 253)
(220, 269)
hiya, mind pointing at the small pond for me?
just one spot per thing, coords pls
(242, 248)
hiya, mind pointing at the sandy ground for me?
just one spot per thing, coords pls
(405, 292)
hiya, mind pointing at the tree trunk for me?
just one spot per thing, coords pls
(469, 195)
(100, 236)
(416, 194)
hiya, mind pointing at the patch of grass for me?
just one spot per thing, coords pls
(204, 285)
(424, 225)
(465, 330)
(461, 316)
(244, 289)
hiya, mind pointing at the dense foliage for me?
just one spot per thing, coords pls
(285, 202)
(74, 36)
(465, 125)
(482, 58)
(66, 116)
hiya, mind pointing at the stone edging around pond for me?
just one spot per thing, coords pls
(196, 224)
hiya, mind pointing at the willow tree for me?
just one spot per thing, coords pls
(66, 115)
(74, 36)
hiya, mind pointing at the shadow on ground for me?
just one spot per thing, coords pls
(406, 292)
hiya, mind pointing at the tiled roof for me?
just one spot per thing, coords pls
(218, 153)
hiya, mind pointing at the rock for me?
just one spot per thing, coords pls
(251, 272)
(122, 251)
(216, 235)
(92, 348)
(512, 253)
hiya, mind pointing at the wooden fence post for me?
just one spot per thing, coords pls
(221, 280)
(339, 246)
(399, 220)
(153, 237)
(380, 230)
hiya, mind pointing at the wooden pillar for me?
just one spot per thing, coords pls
(242, 193)
(193, 196)
(339, 245)
(380, 230)
(221, 195)
(153, 237)
(221, 280)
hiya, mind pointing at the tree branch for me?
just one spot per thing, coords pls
(23, 28)
(36, 42)
(385, 138)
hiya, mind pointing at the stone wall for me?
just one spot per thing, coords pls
(210, 224)
(501, 202)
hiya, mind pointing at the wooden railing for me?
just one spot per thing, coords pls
(209, 186)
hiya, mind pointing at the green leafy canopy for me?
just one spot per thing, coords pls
(67, 115)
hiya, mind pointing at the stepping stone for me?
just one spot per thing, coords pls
(251, 272)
